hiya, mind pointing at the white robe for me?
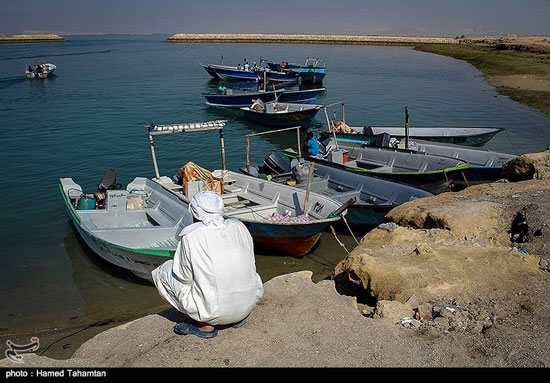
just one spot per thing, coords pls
(212, 277)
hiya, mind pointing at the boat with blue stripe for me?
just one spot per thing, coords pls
(227, 72)
(242, 98)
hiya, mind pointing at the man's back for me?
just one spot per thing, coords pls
(225, 285)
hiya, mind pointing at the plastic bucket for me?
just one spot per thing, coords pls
(86, 203)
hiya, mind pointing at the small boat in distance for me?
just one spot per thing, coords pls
(40, 70)
(280, 113)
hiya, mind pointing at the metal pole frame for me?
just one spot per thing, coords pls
(269, 132)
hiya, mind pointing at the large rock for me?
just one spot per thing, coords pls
(433, 264)
(454, 245)
(528, 166)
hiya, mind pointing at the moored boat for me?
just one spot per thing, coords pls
(228, 72)
(281, 114)
(276, 215)
(242, 98)
(428, 172)
(375, 197)
(273, 76)
(485, 165)
(469, 136)
(137, 228)
(311, 72)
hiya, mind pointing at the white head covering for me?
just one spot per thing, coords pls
(207, 207)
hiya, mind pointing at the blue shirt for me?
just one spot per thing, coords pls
(313, 146)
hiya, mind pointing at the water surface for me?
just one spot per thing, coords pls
(91, 116)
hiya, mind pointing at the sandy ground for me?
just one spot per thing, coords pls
(525, 82)
(302, 324)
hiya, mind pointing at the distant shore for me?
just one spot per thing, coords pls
(517, 66)
(306, 39)
(31, 38)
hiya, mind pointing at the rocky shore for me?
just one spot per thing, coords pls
(31, 38)
(456, 280)
(306, 39)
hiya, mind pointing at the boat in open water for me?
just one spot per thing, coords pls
(44, 70)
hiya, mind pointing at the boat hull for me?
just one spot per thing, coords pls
(228, 73)
(242, 100)
(238, 101)
(138, 263)
(294, 240)
(282, 119)
(276, 76)
(312, 77)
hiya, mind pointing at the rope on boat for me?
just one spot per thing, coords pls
(337, 240)
(464, 175)
(349, 228)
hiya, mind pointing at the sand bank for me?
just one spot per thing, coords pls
(31, 38)
(306, 39)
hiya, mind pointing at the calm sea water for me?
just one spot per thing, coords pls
(92, 116)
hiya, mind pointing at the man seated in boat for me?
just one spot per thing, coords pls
(222, 89)
(212, 278)
(312, 145)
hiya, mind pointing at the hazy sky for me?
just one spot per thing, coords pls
(392, 17)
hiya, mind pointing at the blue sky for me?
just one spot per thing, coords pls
(391, 17)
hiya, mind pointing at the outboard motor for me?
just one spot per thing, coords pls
(108, 181)
(382, 140)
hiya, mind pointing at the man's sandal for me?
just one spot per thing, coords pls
(184, 328)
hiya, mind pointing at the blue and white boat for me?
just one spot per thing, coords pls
(243, 98)
(227, 72)
(274, 76)
(310, 73)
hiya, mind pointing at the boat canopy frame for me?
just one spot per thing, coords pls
(154, 129)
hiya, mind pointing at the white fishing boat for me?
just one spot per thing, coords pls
(136, 229)
(40, 70)
(278, 216)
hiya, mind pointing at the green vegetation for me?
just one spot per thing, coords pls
(492, 61)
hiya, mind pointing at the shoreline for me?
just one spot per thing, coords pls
(31, 38)
(517, 67)
(265, 38)
(474, 294)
